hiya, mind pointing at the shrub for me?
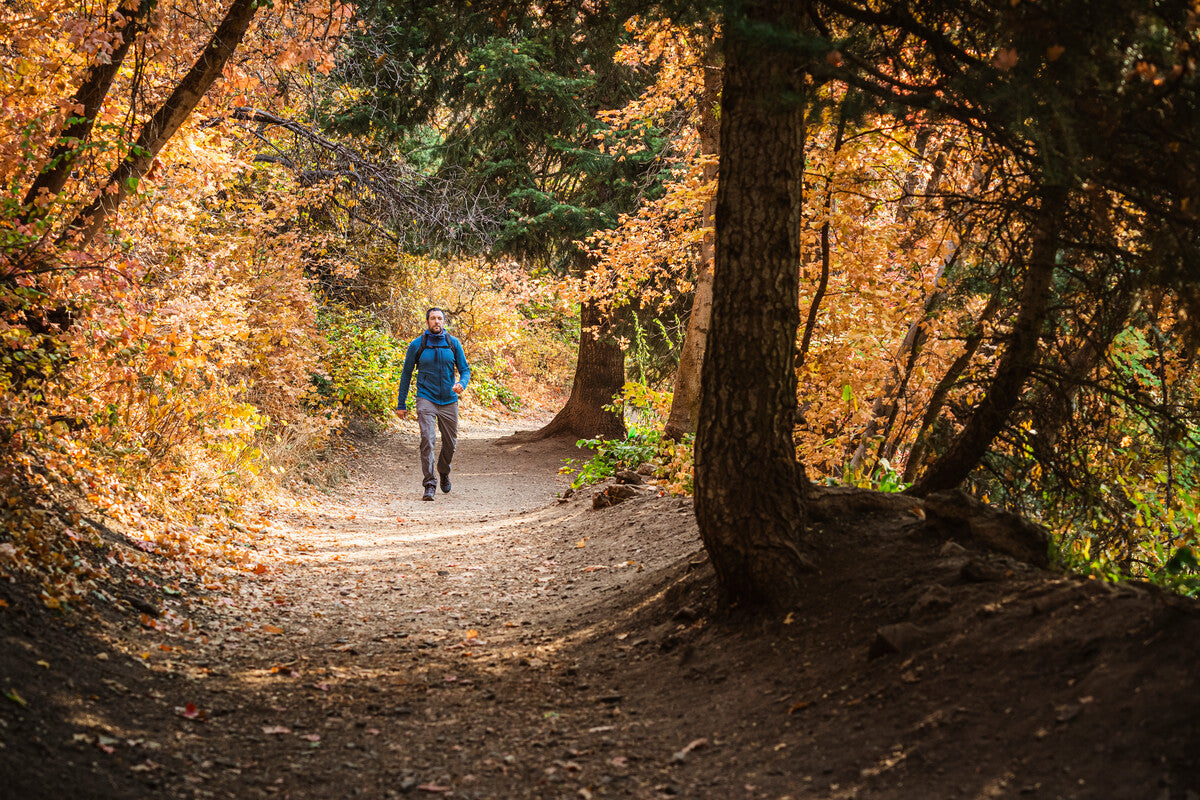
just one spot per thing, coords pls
(363, 363)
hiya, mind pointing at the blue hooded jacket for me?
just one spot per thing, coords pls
(435, 373)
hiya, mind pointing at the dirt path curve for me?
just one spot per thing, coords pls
(398, 646)
(498, 643)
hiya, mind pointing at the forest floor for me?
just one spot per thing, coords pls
(503, 643)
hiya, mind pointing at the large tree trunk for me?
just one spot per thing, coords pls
(130, 20)
(749, 489)
(165, 122)
(599, 376)
(685, 404)
(992, 413)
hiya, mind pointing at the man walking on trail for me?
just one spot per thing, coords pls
(437, 356)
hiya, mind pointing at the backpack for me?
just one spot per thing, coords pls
(425, 345)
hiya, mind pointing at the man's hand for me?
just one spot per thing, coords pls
(458, 388)
(402, 413)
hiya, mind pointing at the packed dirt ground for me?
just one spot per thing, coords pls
(502, 642)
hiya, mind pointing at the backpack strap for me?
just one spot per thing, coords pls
(421, 349)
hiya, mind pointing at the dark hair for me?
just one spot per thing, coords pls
(429, 311)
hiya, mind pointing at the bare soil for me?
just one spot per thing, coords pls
(502, 643)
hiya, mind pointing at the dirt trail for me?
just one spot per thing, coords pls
(498, 643)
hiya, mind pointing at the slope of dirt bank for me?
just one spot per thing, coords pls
(500, 644)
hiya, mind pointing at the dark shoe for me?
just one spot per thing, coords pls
(446, 483)
(428, 494)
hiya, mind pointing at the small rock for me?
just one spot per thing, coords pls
(686, 614)
(951, 550)
(903, 637)
(613, 495)
(645, 468)
(934, 597)
(1068, 712)
(977, 571)
(629, 476)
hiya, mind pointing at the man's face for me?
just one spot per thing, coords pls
(436, 322)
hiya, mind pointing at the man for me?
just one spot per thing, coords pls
(437, 356)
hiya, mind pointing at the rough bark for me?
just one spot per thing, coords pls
(130, 20)
(599, 376)
(749, 489)
(685, 404)
(165, 122)
(1015, 367)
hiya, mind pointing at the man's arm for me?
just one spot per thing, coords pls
(464, 369)
(410, 359)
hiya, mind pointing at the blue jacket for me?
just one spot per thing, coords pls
(435, 374)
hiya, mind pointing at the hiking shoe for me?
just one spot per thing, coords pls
(428, 494)
(446, 483)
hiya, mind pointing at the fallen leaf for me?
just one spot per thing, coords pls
(273, 729)
(189, 711)
(433, 787)
(259, 569)
(272, 629)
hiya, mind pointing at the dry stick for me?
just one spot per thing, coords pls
(814, 307)
(163, 125)
(1057, 396)
(938, 399)
(397, 193)
(914, 341)
(993, 411)
(685, 405)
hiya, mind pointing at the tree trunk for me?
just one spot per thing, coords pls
(1051, 406)
(131, 19)
(937, 400)
(685, 404)
(992, 413)
(749, 489)
(165, 122)
(893, 388)
(599, 376)
(814, 307)
(888, 403)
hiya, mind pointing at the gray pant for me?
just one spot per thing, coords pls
(446, 418)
